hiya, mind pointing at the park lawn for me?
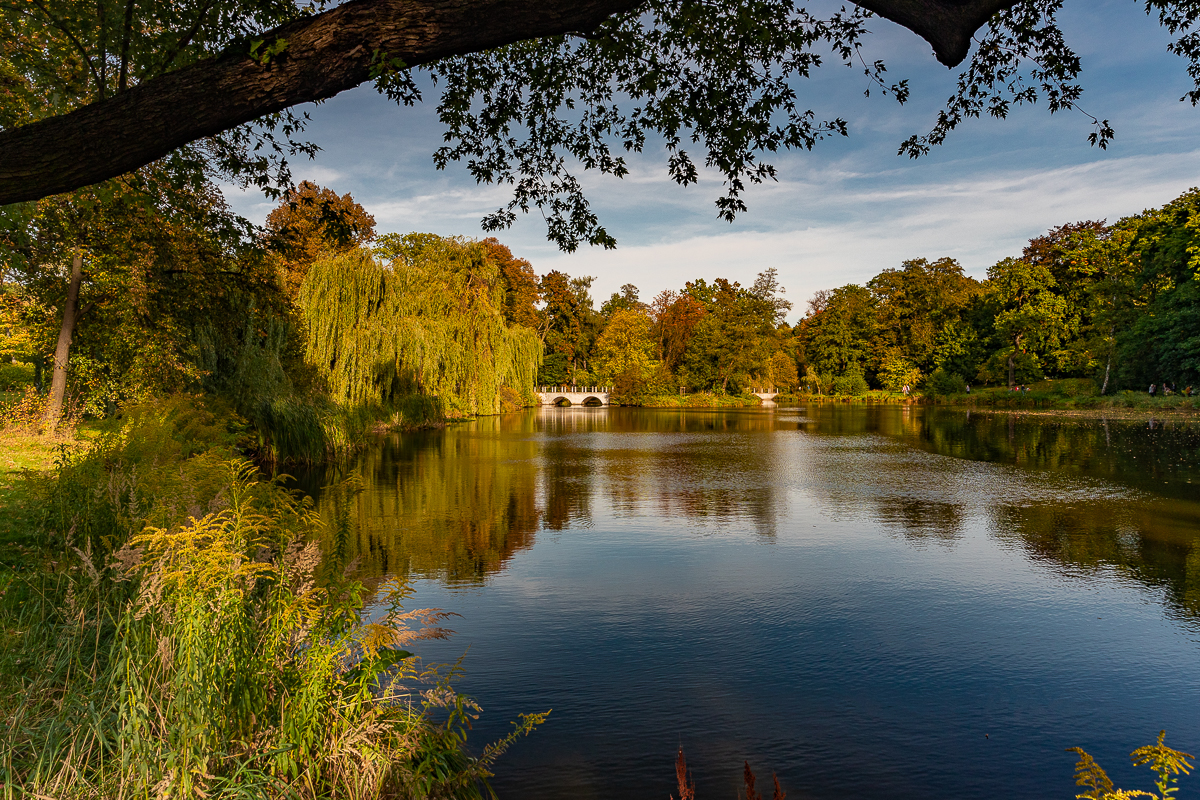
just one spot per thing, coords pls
(23, 458)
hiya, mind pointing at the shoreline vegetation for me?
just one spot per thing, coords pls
(1050, 396)
(170, 627)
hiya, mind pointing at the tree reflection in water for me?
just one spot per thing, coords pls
(1081, 496)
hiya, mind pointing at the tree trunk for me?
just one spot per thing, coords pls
(58, 382)
(1108, 366)
(1011, 369)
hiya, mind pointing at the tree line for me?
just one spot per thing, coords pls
(1117, 304)
(152, 286)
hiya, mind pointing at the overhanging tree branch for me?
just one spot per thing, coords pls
(946, 24)
(320, 56)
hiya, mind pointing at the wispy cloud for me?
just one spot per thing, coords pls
(978, 218)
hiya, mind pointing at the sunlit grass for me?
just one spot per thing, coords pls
(169, 628)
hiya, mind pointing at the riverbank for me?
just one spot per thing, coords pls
(1073, 396)
(169, 626)
(702, 400)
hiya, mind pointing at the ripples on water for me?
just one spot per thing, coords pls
(849, 596)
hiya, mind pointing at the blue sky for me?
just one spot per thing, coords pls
(838, 214)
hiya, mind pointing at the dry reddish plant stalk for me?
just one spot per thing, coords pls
(687, 789)
(751, 794)
(748, 777)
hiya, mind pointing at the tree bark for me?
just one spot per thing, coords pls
(58, 382)
(947, 25)
(326, 54)
(1108, 366)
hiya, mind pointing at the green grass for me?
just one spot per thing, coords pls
(1068, 394)
(169, 627)
(23, 457)
(871, 396)
(1072, 394)
(702, 400)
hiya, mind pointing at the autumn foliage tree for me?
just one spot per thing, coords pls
(676, 315)
(313, 221)
(625, 355)
(521, 293)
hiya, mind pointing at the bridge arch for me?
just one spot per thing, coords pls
(590, 396)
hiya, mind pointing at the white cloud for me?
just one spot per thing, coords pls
(978, 219)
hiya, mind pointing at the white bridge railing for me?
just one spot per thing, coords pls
(575, 389)
(574, 395)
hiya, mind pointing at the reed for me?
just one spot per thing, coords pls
(186, 637)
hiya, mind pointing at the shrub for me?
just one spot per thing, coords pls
(852, 383)
(26, 412)
(941, 382)
(15, 377)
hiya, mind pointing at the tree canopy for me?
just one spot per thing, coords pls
(531, 92)
(429, 321)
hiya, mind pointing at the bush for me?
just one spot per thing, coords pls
(852, 384)
(944, 383)
(296, 430)
(26, 412)
(15, 377)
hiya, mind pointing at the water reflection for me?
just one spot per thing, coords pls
(1080, 496)
(850, 596)
(453, 504)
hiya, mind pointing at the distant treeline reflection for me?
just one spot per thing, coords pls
(1151, 533)
(458, 504)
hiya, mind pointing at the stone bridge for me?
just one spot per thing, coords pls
(574, 395)
(766, 395)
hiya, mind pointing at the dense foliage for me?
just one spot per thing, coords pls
(528, 100)
(201, 644)
(1118, 303)
(431, 321)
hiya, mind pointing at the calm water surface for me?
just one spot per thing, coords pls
(872, 602)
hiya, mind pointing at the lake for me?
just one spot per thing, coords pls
(869, 601)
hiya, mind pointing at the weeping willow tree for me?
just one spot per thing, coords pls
(424, 317)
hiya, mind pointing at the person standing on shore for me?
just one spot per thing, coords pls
(1152, 390)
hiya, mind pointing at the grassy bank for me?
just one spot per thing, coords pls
(309, 431)
(702, 400)
(1063, 395)
(284, 430)
(171, 629)
(871, 396)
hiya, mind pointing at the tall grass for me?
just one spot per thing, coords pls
(187, 638)
(304, 430)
